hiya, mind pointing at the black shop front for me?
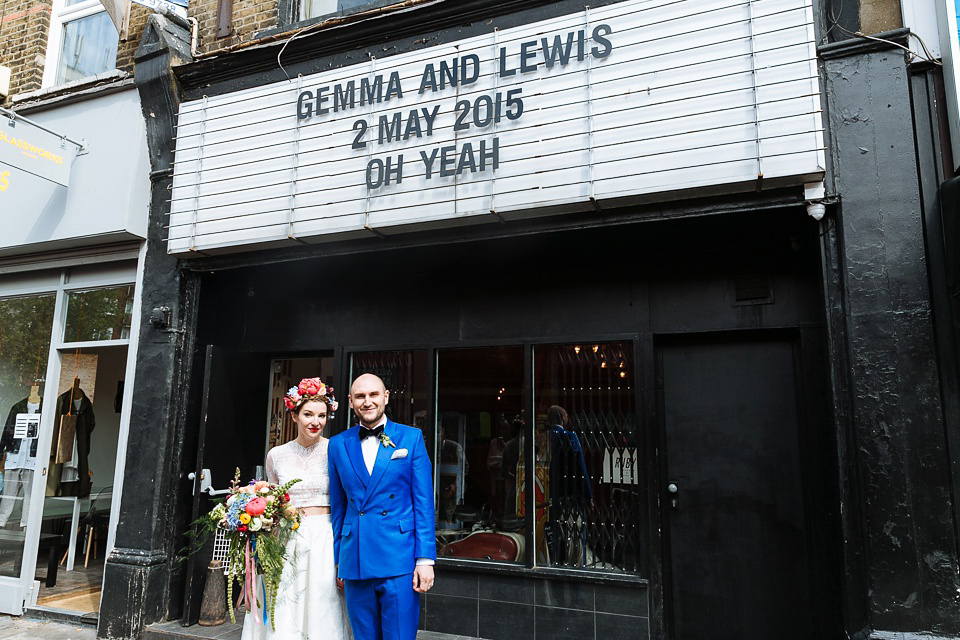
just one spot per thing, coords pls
(688, 356)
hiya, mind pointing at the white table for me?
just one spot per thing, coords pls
(74, 523)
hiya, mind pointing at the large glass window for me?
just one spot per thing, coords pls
(99, 314)
(25, 328)
(479, 395)
(587, 454)
(584, 456)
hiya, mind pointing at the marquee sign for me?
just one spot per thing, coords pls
(635, 101)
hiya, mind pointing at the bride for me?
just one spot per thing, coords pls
(309, 603)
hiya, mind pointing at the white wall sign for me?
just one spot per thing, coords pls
(35, 151)
(109, 194)
(637, 101)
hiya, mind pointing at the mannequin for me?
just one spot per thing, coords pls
(21, 459)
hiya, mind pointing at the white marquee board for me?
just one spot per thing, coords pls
(628, 101)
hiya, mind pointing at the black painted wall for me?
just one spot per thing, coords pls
(898, 455)
(137, 574)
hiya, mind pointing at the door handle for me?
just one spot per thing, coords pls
(673, 492)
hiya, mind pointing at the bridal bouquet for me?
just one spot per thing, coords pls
(257, 520)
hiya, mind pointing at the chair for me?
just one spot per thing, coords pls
(96, 519)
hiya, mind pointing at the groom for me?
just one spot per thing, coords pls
(381, 505)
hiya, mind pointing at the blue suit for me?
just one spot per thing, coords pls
(382, 522)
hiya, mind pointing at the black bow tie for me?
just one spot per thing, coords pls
(363, 432)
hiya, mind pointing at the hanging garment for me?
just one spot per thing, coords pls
(59, 483)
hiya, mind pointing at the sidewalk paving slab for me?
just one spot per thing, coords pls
(22, 628)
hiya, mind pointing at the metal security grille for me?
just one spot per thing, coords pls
(595, 499)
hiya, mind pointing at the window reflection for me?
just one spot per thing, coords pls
(99, 314)
(25, 327)
(587, 450)
(89, 47)
(479, 396)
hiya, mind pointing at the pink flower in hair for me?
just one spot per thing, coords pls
(311, 387)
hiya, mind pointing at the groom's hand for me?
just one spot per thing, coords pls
(423, 578)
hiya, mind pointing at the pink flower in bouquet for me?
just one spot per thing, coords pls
(260, 484)
(256, 507)
(311, 387)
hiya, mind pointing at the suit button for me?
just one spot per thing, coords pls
(361, 513)
(391, 496)
(384, 513)
(351, 499)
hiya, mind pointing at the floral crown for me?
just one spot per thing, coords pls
(309, 389)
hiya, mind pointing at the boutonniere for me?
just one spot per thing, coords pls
(385, 440)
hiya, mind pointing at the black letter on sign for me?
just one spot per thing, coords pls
(304, 113)
(527, 54)
(599, 32)
(376, 163)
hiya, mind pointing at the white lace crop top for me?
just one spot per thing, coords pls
(290, 461)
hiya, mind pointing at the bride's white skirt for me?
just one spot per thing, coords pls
(309, 605)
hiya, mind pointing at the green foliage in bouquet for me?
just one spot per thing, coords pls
(257, 520)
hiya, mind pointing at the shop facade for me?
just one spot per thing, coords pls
(75, 202)
(665, 324)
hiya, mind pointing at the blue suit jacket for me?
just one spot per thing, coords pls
(381, 522)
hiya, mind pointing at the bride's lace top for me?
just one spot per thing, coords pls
(290, 461)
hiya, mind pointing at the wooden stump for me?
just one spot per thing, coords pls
(213, 607)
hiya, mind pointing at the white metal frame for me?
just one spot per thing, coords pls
(59, 16)
(16, 592)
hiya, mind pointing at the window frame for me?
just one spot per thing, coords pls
(59, 17)
(644, 415)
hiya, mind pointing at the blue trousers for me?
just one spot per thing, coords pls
(383, 608)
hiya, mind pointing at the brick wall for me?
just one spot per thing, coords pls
(248, 18)
(23, 41)
(128, 47)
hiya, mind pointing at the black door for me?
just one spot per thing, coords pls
(230, 435)
(737, 558)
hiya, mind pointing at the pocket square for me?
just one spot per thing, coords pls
(399, 453)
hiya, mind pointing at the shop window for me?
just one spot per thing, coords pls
(99, 314)
(587, 449)
(25, 328)
(479, 404)
(83, 42)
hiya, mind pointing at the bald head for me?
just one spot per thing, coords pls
(368, 380)
(369, 398)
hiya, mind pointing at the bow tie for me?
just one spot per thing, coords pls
(363, 432)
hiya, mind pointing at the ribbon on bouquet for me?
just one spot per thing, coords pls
(248, 593)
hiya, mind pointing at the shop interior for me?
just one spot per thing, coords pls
(77, 494)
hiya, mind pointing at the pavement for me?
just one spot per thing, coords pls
(24, 628)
